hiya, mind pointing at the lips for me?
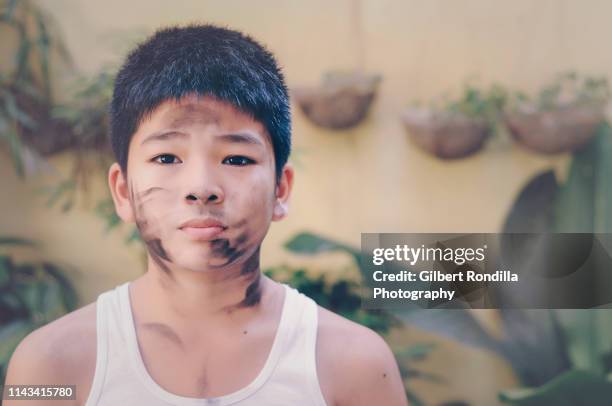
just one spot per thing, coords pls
(203, 229)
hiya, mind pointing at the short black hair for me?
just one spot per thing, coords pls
(204, 60)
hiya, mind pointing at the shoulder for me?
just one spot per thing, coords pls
(61, 352)
(355, 364)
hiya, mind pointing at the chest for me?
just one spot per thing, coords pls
(204, 368)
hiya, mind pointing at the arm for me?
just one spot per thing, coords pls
(36, 362)
(372, 375)
(50, 355)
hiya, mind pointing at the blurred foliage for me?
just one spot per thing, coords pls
(581, 204)
(341, 297)
(88, 117)
(476, 102)
(31, 295)
(568, 389)
(568, 88)
(33, 124)
(584, 200)
(25, 91)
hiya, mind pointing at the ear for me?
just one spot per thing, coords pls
(120, 191)
(283, 191)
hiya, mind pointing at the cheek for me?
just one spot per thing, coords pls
(256, 199)
(152, 207)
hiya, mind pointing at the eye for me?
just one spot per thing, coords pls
(165, 159)
(238, 160)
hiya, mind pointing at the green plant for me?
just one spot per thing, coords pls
(478, 103)
(475, 102)
(340, 297)
(86, 115)
(567, 89)
(31, 295)
(568, 389)
(580, 204)
(32, 123)
(25, 91)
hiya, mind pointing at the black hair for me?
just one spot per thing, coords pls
(204, 60)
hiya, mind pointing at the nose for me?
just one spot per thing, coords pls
(203, 186)
(194, 198)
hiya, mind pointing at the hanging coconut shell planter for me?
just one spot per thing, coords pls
(445, 135)
(341, 102)
(563, 118)
(455, 129)
(344, 97)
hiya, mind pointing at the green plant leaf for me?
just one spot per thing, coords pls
(17, 241)
(5, 270)
(10, 10)
(415, 352)
(10, 336)
(568, 389)
(312, 244)
(536, 197)
(68, 293)
(43, 41)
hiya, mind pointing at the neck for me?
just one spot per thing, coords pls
(212, 296)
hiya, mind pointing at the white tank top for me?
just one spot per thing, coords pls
(289, 376)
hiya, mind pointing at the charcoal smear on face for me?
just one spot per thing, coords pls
(249, 270)
(152, 242)
(223, 249)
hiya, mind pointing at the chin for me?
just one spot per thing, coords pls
(201, 263)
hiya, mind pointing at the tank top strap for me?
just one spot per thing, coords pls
(102, 343)
(302, 345)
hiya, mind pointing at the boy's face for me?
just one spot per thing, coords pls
(202, 162)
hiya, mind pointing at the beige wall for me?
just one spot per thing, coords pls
(370, 179)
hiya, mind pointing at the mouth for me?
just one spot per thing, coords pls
(203, 229)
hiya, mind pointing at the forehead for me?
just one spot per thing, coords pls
(198, 112)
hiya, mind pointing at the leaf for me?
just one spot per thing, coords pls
(14, 112)
(568, 389)
(10, 10)
(311, 244)
(5, 270)
(68, 293)
(603, 188)
(575, 203)
(52, 301)
(133, 236)
(16, 153)
(10, 336)
(17, 241)
(43, 43)
(21, 58)
(532, 211)
(59, 190)
(415, 352)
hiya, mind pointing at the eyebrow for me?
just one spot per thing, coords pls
(240, 138)
(164, 135)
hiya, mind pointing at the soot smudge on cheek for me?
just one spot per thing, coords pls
(152, 242)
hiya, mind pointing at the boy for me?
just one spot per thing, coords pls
(200, 126)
